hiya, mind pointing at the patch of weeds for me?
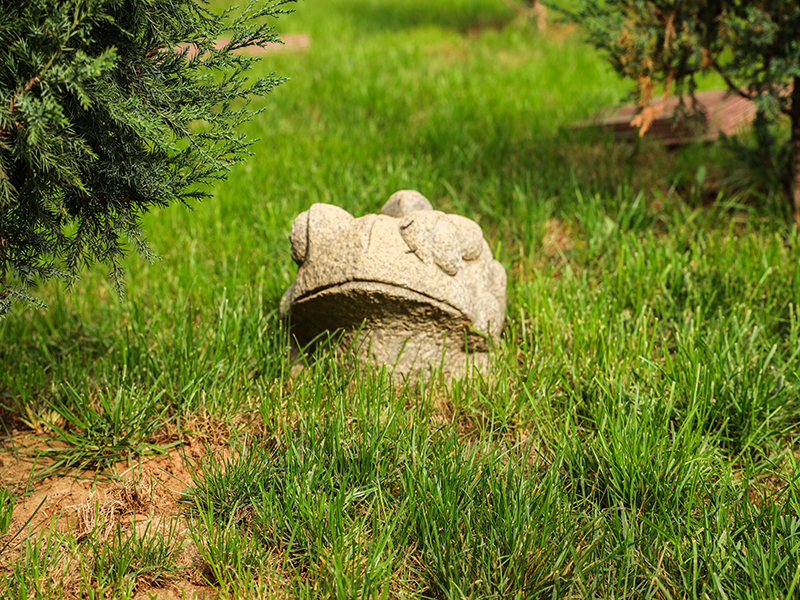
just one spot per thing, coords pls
(99, 434)
(486, 529)
(362, 508)
(749, 383)
(489, 409)
(124, 561)
(640, 457)
(369, 556)
(324, 506)
(42, 569)
(235, 559)
(730, 547)
(103, 558)
(232, 485)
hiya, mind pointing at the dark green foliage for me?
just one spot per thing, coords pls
(109, 108)
(754, 45)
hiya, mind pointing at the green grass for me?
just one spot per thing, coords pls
(637, 434)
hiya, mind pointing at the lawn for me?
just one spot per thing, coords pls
(636, 436)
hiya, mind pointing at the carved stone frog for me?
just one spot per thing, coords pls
(413, 288)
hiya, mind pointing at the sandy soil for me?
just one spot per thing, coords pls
(146, 492)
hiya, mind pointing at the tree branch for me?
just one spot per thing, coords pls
(729, 82)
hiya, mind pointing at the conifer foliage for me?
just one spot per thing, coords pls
(754, 45)
(107, 109)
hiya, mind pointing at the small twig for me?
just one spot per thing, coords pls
(35, 80)
(731, 85)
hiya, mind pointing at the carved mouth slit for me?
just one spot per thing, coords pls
(377, 306)
(377, 287)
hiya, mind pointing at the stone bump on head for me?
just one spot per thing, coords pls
(404, 202)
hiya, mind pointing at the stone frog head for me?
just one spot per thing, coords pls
(411, 272)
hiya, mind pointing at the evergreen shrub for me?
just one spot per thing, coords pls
(107, 109)
(753, 45)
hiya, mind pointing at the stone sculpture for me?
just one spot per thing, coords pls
(413, 288)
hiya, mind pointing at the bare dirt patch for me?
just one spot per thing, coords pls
(289, 42)
(145, 495)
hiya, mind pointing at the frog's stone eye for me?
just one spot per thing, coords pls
(299, 238)
(328, 225)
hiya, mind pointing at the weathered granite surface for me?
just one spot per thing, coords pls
(411, 288)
